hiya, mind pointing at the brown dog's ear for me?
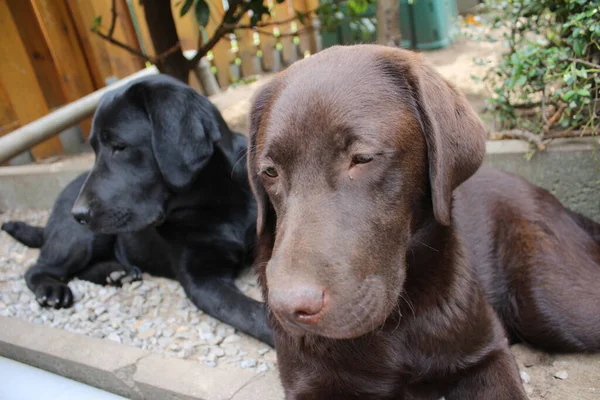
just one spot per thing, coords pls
(259, 111)
(454, 134)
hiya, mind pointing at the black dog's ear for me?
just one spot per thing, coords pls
(184, 128)
(454, 134)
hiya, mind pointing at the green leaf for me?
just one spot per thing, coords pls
(257, 14)
(186, 7)
(202, 12)
(584, 92)
(96, 22)
(578, 47)
(300, 17)
(569, 95)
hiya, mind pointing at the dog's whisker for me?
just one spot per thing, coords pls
(409, 303)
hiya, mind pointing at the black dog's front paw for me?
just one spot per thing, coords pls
(54, 294)
(122, 276)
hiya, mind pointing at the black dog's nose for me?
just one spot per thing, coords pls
(82, 214)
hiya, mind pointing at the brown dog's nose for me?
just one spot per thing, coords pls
(302, 304)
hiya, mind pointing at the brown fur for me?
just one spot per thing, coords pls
(364, 265)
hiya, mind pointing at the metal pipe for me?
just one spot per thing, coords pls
(25, 137)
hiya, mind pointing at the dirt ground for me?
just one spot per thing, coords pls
(558, 377)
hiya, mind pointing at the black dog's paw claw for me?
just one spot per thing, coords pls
(121, 277)
(114, 278)
(55, 295)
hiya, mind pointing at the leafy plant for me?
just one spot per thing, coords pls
(549, 79)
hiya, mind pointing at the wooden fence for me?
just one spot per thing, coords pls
(50, 57)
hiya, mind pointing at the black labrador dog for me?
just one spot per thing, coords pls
(168, 194)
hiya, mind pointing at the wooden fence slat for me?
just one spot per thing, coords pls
(307, 36)
(187, 27)
(104, 59)
(267, 42)
(284, 11)
(18, 79)
(138, 9)
(8, 118)
(247, 50)
(222, 51)
(61, 37)
(38, 51)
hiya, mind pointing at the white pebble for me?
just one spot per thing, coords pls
(231, 339)
(214, 340)
(263, 367)
(561, 375)
(263, 351)
(249, 363)
(114, 337)
(146, 333)
(525, 377)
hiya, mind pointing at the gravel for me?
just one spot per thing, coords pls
(154, 314)
(559, 375)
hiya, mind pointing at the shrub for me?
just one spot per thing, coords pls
(549, 79)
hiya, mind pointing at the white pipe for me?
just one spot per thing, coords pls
(27, 136)
(21, 381)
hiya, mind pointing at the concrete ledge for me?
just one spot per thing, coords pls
(569, 169)
(129, 371)
(38, 185)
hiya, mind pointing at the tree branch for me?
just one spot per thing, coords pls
(221, 30)
(123, 46)
(572, 134)
(520, 134)
(555, 117)
(584, 62)
(109, 37)
(283, 21)
(287, 34)
(113, 23)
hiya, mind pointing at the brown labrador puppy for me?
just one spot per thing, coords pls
(355, 153)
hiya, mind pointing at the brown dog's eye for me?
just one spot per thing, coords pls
(271, 172)
(361, 159)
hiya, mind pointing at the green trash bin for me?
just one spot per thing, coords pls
(429, 25)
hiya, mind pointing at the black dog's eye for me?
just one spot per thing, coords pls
(118, 147)
(361, 159)
(271, 172)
